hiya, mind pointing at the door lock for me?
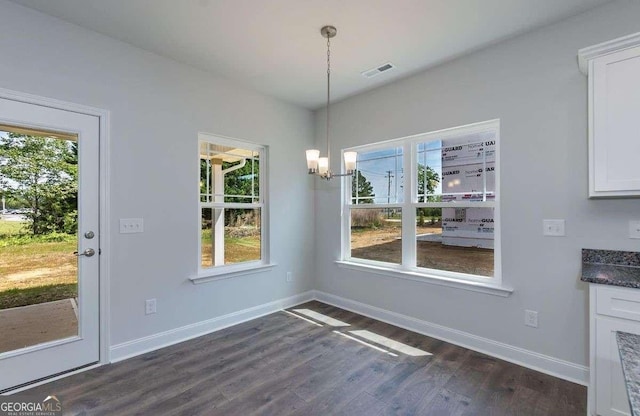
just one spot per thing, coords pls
(89, 235)
(88, 253)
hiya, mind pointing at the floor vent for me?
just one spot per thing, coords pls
(378, 70)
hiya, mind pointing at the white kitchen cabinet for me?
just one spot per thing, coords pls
(612, 309)
(613, 70)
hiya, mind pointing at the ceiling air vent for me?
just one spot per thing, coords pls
(378, 70)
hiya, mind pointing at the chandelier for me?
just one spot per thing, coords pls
(320, 165)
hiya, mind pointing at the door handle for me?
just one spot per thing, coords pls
(88, 252)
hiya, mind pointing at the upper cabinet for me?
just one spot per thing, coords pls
(613, 70)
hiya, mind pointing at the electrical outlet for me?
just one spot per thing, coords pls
(634, 229)
(131, 225)
(150, 306)
(531, 318)
(553, 228)
(289, 277)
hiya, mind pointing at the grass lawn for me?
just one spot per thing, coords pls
(236, 250)
(32, 271)
(13, 298)
(9, 228)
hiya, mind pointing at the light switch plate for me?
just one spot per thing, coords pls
(553, 228)
(634, 229)
(131, 225)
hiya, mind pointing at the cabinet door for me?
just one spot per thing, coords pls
(611, 391)
(615, 124)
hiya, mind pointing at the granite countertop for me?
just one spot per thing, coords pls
(629, 347)
(609, 267)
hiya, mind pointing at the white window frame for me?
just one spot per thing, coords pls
(408, 268)
(231, 270)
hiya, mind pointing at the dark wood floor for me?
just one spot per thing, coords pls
(283, 365)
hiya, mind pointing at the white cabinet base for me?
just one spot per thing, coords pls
(607, 390)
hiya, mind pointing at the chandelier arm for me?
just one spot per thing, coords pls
(330, 175)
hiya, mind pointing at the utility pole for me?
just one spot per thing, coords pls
(389, 176)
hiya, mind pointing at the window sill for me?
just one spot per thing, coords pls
(488, 288)
(227, 273)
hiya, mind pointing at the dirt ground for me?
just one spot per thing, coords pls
(384, 244)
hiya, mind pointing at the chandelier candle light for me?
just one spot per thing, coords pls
(320, 165)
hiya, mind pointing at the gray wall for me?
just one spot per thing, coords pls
(157, 108)
(533, 85)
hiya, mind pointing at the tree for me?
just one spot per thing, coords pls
(361, 189)
(241, 185)
(428, 180)
(42, 173)
(244, 182)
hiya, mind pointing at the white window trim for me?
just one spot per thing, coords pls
(215, 273)
(491, 285)
(232, 270)
(421, 277)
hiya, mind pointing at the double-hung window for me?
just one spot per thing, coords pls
(427, 204)
(232, 204)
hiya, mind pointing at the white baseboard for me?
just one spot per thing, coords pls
(153, 342)
(553, 366)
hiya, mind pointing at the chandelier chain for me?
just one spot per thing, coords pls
(328, 91)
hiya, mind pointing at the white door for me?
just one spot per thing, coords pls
(46, 337)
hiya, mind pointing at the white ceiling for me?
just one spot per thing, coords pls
(275, 46)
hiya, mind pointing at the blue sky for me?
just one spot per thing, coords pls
(375, 167)
(378, 165)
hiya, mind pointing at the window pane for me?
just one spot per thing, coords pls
(206, 238)
(378, 177)
(429, 175)
(241, 180)
(206, 181)
(455, 239)
(229, 174)
(460, 168)
(230, 236)
(376, 234)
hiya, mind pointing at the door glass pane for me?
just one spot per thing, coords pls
(455, 239)
(38, 236)
(376, 234)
